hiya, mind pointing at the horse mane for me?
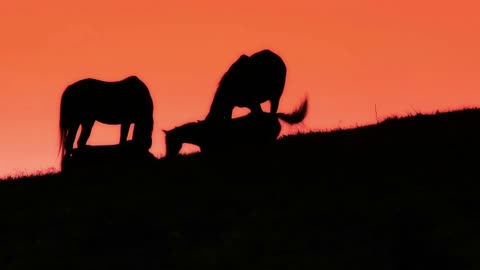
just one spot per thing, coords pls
(232, 73)
(233, 77)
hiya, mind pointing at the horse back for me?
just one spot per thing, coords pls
(109, 101)
(130, 87)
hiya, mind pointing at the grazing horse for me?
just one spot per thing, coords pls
(123, 102)
(250, 81)
(246, 132)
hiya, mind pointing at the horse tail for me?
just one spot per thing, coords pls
(297, 115)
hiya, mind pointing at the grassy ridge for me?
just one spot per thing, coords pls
(401, 194)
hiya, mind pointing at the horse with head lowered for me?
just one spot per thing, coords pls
(249, 132)
(123, 102)
(250, 81)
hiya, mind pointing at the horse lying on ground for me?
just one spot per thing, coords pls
(250, 131)
(122, 102)
(250, 81)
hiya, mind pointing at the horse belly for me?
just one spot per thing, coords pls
(110, 121)
(114, 115)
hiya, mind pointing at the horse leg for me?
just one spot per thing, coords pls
(72, 132)
(274, 105)
(124, 132)
(86, 130)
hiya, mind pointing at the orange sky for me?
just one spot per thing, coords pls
(348, 56)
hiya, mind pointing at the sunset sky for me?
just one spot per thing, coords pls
(348, 56)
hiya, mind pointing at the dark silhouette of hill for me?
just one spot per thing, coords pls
(400, 194)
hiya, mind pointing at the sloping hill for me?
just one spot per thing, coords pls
(401, 194)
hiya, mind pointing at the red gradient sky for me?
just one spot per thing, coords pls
(348, 56)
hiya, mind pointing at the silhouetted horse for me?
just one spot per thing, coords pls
(249, 82)
(123, 102)
(246, 132)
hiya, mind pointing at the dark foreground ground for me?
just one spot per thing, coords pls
(403, 194)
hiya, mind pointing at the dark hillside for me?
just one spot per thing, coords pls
(401, 194)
